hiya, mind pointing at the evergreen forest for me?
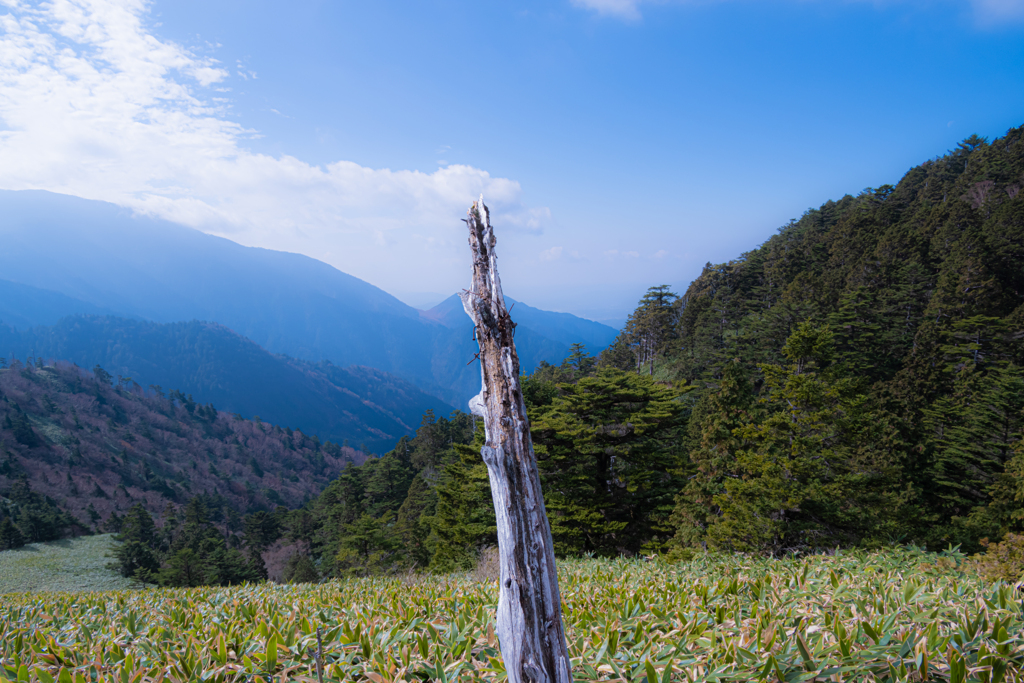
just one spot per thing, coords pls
(855, 381)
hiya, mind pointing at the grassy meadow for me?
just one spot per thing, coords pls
(70, 564)
(885, 616)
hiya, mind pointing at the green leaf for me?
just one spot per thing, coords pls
(270, 659)
(652, 674)
(805, 652)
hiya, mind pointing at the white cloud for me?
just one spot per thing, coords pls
(552, 254)
(92, 104)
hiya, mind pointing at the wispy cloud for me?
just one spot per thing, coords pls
(994, 12)
(93, 104)
(622, 9)
(562, 254)
(552, 254)
(987, 13)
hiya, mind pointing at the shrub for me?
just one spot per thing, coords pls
(300, 569)
(1002, 561)
(488, 565)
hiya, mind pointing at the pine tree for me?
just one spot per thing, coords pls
(973, 429)
(10, 535)
(609, 453)
(464, 518)
(138, 554)
(651, 327)
(810, 475)
(713, 446)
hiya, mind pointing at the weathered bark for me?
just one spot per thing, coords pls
(529, 629)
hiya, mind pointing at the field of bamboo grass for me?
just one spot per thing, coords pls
(897, 615)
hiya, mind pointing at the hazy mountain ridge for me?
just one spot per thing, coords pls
(23, 306)
(563, 328)
(99, 254)
(214, 364)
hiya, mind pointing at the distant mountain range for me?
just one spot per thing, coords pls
(64, 255)
(359, 405)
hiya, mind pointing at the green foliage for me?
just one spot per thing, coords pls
(184, 568)
(972, 431)
(1003, 561)
(261, 529)
(921, 286)
(810, 473)
(379, 517)
(10, 535)
(609, 454)
(37, 517)
(137, 555)
(713, 446)
(300, 569)
(464, 520)
(650, 329)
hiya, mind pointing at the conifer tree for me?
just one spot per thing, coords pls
(713, 447)
(10, 535)
(810, 475)
(610, 456)
(138, 555)
(651, 327)
(464, 519)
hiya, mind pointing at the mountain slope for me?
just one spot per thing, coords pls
(895, 270)
(214, 364)
(875, 347)
(136, 266)
(75, 438)
(287, 303)
(540, 336)
(23, 306)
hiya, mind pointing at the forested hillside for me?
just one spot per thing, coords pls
(861, 371)
(368, 408)
(858, 380)
(78, 449)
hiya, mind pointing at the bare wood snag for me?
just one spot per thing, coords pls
(530, 631)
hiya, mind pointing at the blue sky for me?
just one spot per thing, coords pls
(621, 144)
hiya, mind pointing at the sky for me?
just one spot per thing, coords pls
(620, 144)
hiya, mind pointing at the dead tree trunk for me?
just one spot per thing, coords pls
(530, 629)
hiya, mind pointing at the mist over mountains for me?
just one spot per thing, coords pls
(65, 256)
